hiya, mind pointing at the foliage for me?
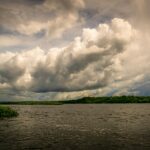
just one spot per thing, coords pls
(7, 112)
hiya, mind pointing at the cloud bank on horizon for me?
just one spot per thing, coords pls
(68, 49)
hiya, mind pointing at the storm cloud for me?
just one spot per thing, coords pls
(52, 17)
(89, 62)
(74, 48)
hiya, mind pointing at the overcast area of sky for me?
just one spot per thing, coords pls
(63, 49)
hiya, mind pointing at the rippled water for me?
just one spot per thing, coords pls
(78, 127)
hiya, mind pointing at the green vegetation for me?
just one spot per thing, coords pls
(7, 112)
(114, 99)
(87, 100)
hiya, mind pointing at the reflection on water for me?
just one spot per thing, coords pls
(78, 127)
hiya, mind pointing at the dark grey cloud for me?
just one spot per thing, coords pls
(22, 2)
(10, 71)
(24, 11)
(37, 21)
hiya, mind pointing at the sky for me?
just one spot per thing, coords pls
(67, 49)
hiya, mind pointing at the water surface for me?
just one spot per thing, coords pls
(77, 127)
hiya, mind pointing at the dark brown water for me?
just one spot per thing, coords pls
(78, 127)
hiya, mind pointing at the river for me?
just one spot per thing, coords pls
(77, 127)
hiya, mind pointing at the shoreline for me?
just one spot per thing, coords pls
(86, 100)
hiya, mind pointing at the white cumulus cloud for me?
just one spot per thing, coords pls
(89, 62)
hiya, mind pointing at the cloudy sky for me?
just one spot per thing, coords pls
(63, 49)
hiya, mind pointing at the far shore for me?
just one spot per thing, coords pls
(85, 100)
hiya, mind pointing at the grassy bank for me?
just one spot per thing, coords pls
(87, 100)
(7, 112)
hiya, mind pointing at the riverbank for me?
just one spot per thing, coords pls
(85, 100)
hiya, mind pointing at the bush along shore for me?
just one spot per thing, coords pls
(7, 112)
